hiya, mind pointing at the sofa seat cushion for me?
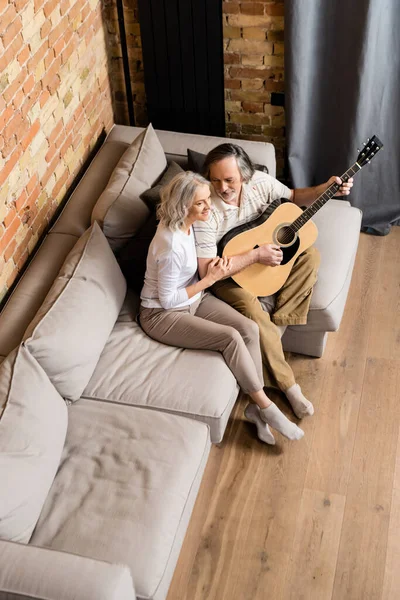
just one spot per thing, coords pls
(33, 424)
(72, 326)
(338, 234)
(134, 369)
(119, 210)
(125, 490)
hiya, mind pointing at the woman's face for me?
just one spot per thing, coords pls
(201, 205)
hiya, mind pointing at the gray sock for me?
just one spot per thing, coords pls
(274, 417)
(252, 413)
(301, 406)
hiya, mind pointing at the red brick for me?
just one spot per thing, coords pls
(57, 31)
(20, 202)
(32, 132)
(7, 17)
(31, 99)
(10, 250)
(67, 52)
(12, 32)
(275, 86)
(252, 8)
(23, 257)
(49, 172)
(253, 107)
(60, 183)
(248, 73)
(67, 143)
(49, 7)
(6, 116)
(231, 8)
(10, 216)
(23, 55)
(9, 233)
(55, 133)
(232, 84)
(20, 4)
(28, 85)
(231, 58)
(45, 29)
(51, 152)
(38, 5)
(44, 96)
(58, 46)
(11, 90)
(9, 144)
(275, 10)
(64, 7)
(32, 183)
(36, 58)
(11, 51)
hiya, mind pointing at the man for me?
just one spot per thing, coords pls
(239, 195)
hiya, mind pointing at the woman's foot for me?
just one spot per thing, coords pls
(301, 406)
(276, 419)
(252, 413)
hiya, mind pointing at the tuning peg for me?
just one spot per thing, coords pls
(358, 149)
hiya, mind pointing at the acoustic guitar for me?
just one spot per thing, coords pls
(287, 226)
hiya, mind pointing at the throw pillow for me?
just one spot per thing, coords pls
(119, 210)
(132, 258)
(152, 195)
(33, 425)
(196, 162)
(72, 326)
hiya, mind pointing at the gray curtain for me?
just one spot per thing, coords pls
(342, 73)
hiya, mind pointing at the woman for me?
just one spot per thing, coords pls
(175, 310)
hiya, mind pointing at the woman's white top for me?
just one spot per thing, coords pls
(171, 267)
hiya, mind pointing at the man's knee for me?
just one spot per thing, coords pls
(312, 257)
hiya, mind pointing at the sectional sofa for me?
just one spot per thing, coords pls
(105, 433)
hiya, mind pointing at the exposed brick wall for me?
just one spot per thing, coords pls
(54, 103)
(134, 44)
(253, 41)
(253, 51)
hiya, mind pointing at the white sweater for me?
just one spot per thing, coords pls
(171, 267)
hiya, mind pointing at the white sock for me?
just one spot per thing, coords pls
(301, 406)
(274, 417)
(281, 329)
(252, 413)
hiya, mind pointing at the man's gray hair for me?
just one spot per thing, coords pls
(246, 167)
(177, 198)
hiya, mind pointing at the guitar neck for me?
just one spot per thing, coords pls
(323, 199)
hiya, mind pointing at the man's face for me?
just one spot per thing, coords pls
(226, 180)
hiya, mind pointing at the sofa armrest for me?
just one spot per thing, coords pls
(28, 572)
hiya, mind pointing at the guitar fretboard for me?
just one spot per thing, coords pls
(323, 199)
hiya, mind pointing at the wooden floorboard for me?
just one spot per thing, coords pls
(320, 518)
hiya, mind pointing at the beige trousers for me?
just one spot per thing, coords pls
(291, 308)
(210, 324)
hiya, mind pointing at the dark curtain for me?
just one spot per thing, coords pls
(342, 73)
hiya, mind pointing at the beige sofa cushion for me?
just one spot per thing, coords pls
(119, 210)
(134, 369)
(125, 490)
(33, 424)
(71, 328)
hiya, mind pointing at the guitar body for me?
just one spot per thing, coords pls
(262, 280)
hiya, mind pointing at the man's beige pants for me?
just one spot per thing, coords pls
(210, 324)
(291, 308)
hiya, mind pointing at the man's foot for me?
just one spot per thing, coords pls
(301, 406)
(274, 417)
(252, 413)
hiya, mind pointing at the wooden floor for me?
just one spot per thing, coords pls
(320, 518)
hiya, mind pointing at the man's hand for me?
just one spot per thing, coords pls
(270, 255)
(345, 188)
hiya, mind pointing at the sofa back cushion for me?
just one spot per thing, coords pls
(72, 326)
(119, 210)
(33, 425)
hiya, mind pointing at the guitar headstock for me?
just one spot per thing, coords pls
(371, 147)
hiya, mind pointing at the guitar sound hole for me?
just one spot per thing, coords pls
(285, 235)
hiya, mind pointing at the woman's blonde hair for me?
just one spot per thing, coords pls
(177, 197)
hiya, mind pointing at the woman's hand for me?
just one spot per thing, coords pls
(217, 269)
